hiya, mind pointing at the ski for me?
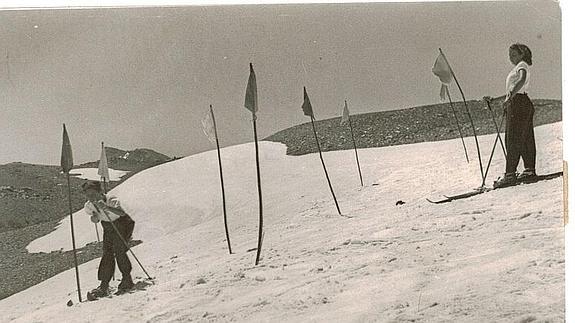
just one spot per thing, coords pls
(481, 190)
(541, 178)
(138, 286)
(461, 196)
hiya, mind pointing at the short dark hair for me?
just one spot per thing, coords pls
(92, 185)
(524, 51)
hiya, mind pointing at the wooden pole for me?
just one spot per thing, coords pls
(261, 218)
(355, 148)
(458, 126)
(470, 119)
(103, 179)
(73, 238)
(105, 186)
(323, 164)
(221, 181)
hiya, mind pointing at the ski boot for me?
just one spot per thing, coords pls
(527, 175)
(509, 179)
(101, 291)
(125, 285)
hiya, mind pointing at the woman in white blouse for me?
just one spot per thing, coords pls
(519, 135)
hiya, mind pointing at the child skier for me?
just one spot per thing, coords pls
(108, 211)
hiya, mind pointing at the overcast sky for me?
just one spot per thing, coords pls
(144, 78)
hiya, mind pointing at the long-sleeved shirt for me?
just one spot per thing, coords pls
(111, 201)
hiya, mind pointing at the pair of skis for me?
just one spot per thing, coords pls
(484, 189)
(138, 286)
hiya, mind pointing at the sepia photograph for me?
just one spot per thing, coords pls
(283, 162)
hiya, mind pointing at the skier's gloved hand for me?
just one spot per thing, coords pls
(101, 205)
(94, 218)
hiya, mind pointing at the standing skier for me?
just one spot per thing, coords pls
(519, 134)
(107, 210)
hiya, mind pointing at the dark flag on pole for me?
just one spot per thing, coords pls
(306, 106)
(209, 126)
(66, 159)
(67, 164)
(251, 103)
(308, 111)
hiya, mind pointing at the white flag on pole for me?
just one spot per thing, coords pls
(442, 70)
(208, 126)
(103, 165)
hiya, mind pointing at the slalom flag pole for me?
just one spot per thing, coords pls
(67, 164)
(470, 118)
(308, 111)
(458, 126)
(251, 103)
(221, 180)
(104, 173)
(103, 169)
(442, 70)
(210, 129)
(346, 118)
(104, 184)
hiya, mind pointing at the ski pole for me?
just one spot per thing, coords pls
(496, 128)
(97, 234)
(124, 241)
(494, 146)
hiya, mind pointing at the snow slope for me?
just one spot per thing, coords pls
(494, 257)
(92, 173)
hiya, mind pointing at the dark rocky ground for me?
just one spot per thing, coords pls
(20, 269)
(399, 127)
(31, 198)
(33, 194)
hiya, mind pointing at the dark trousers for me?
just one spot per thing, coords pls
(519, 135)
(114, 249)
